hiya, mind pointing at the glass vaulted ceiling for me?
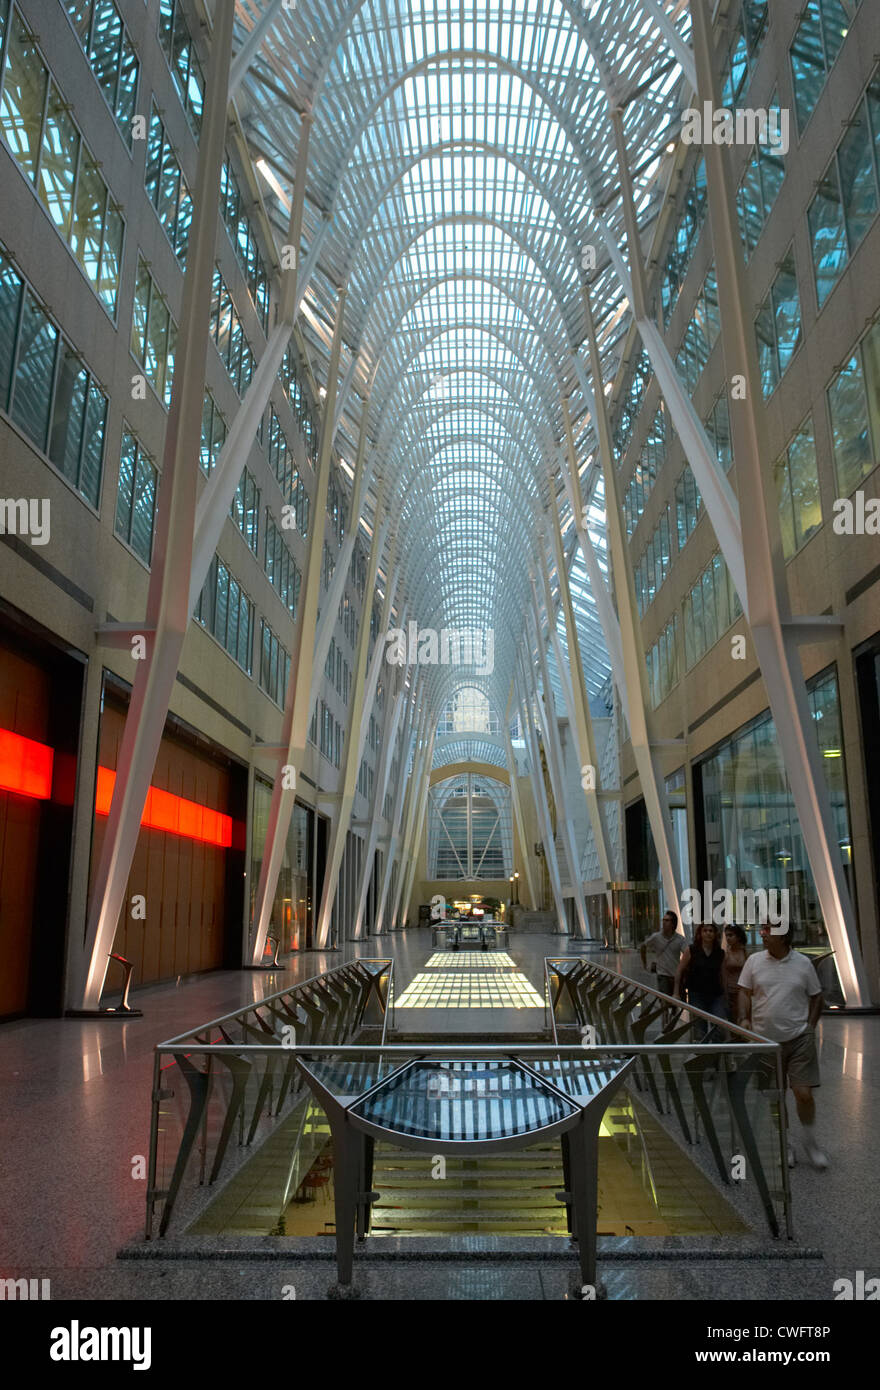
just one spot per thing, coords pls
(460, 156)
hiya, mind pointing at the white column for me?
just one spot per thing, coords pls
(632, 649)
(556, 767)
(168, 611)
(575, 689)
(517, 807)
(539, 791)
(297, 711)
(393, 712)
(363, 691)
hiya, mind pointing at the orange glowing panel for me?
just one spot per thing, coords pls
(25, 766)
(173, 814)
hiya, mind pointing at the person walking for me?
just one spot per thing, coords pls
(665, 947)
(699, 971)
(735, 957)
(780, 997)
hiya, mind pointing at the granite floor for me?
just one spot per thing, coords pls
(74, 1111)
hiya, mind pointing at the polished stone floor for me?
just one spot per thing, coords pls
(74, 1111)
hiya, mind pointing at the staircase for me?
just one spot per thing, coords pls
(508, 1194)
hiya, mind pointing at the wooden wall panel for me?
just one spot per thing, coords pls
(183, 880)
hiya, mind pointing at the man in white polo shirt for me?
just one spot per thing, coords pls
(780, 997)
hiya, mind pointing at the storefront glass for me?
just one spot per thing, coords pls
(752, 835)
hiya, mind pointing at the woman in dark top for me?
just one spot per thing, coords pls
(700, 970)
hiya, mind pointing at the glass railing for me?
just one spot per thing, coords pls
(224, 1087)
(716, 1087)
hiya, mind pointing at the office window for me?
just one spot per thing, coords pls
(752, 835)
(288, 475)
(274, 665)
(48, 148)
(817, 42)
(167, 188)
(228, 614)
(854, 407)
(684, 241)
(244, 242)
(846, 200)
(136, 497)
(186, 69)
(294, 391)
(797, 491)
(280, 566)
(153, 333)
(213, 434)
(758, 192)
(245, 509)
(53, 396)
(709, 609)
(229, 337)
(662, 662)
(688, 506)
(778, 325)
(718, 430)
(701, 333)
(99, 28)
(749, 32)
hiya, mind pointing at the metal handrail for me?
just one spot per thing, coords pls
(267, 999)
(755, 1042)
(672, 1000)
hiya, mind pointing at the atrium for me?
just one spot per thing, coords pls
(440, 513)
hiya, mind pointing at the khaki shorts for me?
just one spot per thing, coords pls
(800, 1060)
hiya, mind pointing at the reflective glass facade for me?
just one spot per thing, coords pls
(752, 836)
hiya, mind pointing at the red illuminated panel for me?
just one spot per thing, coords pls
(25, 766)
(173, 814)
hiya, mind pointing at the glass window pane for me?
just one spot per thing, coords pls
(10, 302)
(157, 341)
(849, 426)
(125, 490)
(106, 40)
(143, 508)
(58, 163)
(126, 96)
(783, 498)
(140, 312)
(111, 259)
(857, 179)
(22, 99)
(827, 233)
(806, 502)
(32, 392)
(766, 339)
(787, 307)
(80, 12)
(68, 416)
(93, 446)
(88, 225)
(807, 65)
